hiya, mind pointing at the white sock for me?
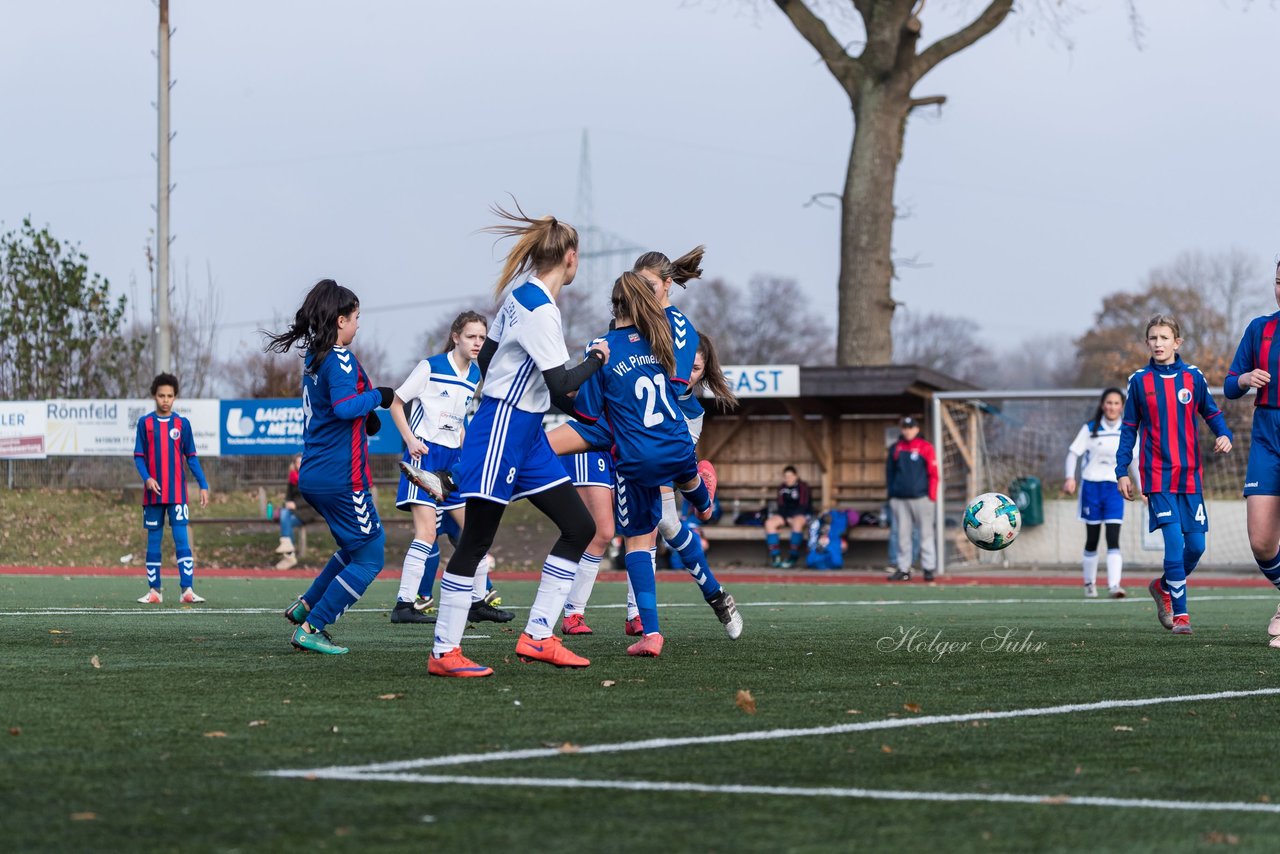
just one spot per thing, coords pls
(553, 588)
(412, 570)
(451, 619)
(1114, 564)
(583, 583)
(633, 610)
(481, 586)
(1090, 563)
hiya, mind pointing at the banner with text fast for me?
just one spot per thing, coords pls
(762, 380)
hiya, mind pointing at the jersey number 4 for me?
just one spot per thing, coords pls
(651, 390)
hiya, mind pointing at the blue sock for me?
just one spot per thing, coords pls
(1271, 569)
(349, 584)
(771, 540)
(796, 539)
(186, 563)
(1175, 571)
(154, 538)
(640, 572)
(1192, 551)
(698, 496)
(336, 564)
(428, 582)
(688, 545)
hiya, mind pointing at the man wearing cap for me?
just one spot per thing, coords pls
(911, 474)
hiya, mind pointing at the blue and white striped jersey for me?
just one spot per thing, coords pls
(530, 340)
(438, 392)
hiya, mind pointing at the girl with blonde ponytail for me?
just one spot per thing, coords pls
(505, 455)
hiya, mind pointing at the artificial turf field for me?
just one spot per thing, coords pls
(137, 727)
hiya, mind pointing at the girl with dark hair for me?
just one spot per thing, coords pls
(506, 455)
(1255, 366)
(430, 412)
(338, 403)
(1094, 449)
(652, 444)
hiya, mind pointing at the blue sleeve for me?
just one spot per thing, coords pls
(1242, 363)
(141, 462)
(1210, 412)
(1128, 431)
(685, 340)
(588, 406)
(193, 463)
(348, 404)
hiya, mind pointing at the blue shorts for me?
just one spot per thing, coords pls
(681, 467)
(153, 515)
(1262, 476)
(436, 458)
(590, 469)
(352, 517)
(637, 509)
(1185, 509)
(506, 455)
(597, 436)
(1101, 501)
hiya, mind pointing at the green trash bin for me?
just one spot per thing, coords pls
(1026, 493)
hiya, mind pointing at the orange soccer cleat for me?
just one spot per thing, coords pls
(634, 627)
(1182, 624)
(454, 663)
(1164, 603)
(574, 624)
(549, 650)
(708, 473)
(649, 645)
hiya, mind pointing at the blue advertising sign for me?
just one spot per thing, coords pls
(274, 426)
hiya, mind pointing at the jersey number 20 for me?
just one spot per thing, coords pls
(651, 390)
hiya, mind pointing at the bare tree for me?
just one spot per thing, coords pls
(944, 343)
(768, 322)
(253, 373)
(193, 328)
(1238, 284)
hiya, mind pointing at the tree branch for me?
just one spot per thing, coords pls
(927, 101)
(845, 68)
(990, 18)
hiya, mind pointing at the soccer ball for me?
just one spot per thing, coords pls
(992, 521)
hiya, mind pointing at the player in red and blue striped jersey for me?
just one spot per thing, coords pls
(1256, 364)
(1162, 402)
(338, 403)
(163, 443)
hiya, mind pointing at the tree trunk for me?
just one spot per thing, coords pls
(866, 228)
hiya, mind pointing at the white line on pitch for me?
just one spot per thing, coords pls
(766, 735)
(833, 603)
(806, 792)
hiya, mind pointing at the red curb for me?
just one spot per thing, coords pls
(1013, 579)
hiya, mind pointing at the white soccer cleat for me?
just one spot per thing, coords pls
(428, 481)
(153, 597)
(1273, 627)
(1275, 642)
(190, 597)
(1090, 591)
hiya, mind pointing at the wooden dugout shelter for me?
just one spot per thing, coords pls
(835, 433)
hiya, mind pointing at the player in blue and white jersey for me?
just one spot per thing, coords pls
(164, 441)
(1094, 450)
(338, 403)
(1160, 408)
(633, 395)
(1256, 364)
(436, 396)
(506, 456)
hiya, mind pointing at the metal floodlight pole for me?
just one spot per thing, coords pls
(163, 361)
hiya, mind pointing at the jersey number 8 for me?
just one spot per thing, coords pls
(651, 390)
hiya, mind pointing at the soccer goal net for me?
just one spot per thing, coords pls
(1016, 442)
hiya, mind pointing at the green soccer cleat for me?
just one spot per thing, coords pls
(316, 642)
(297, 612)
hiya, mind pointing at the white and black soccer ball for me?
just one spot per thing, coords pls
(992, 521)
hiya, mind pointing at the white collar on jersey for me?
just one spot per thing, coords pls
(535, 280)
(457, 371)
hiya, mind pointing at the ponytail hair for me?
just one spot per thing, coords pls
(680, 271)
(460, 323)
(1097, 414)
(540, 243)
(315, 326)
(713, 374)
(633, 299)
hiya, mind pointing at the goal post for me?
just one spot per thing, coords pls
(994, 440)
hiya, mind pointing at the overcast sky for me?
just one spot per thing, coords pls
(365, 141)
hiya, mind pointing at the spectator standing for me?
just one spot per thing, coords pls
(911, 474)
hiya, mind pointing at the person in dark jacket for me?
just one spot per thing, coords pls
(911, 474)
(795, 506)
